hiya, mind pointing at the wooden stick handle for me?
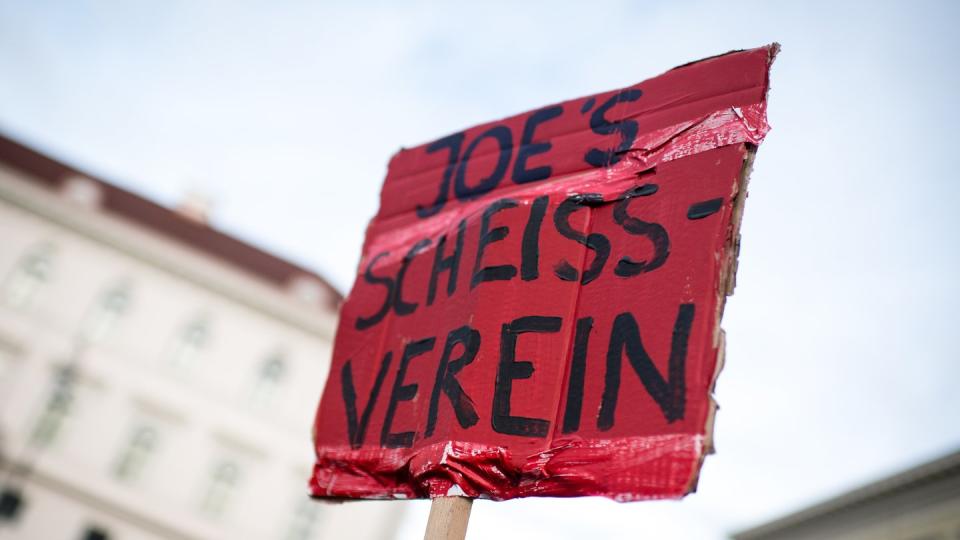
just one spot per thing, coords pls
(448, 518)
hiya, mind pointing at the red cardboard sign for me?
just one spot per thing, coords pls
(536, 312)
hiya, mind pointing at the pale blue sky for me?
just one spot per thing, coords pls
(842, 361)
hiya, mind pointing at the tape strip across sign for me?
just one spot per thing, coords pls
(537, 307)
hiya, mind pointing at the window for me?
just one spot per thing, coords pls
(142, 444)
(105, 313)
(304, 519)
(8, 364)
(57, 407)
(95, 533)
(189, 342)
(224, 479)
(31, 272)
(11, 504)
(269, 376)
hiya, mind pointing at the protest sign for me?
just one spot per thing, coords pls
(537, 307)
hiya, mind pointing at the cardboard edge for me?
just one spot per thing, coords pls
(725, 287)
(772, 50)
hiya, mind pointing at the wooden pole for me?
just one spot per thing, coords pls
(448, 518)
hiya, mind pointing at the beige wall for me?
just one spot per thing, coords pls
(204, 405)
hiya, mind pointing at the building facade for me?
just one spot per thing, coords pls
(922, 503)
(158, 378)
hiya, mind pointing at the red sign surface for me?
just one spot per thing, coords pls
(536, 311)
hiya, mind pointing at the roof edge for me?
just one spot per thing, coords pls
(890, 485)
(54, 175)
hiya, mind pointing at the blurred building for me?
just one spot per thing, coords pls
(158, 378)
(922, 503)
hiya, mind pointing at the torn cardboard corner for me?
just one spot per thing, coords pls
(537, 309)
